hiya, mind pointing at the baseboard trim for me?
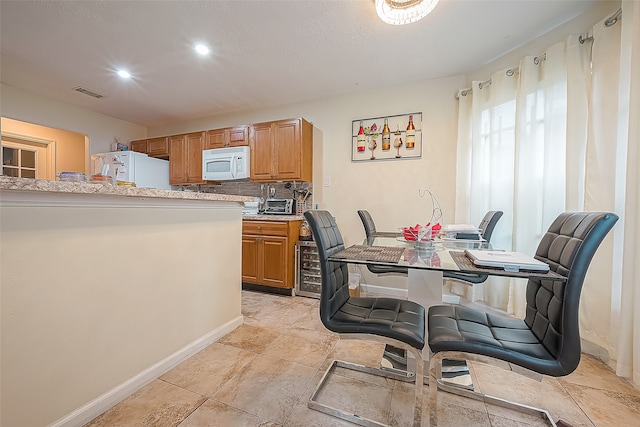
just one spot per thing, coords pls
(88, 412)
(384, 291)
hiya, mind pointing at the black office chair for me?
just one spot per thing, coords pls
(547, 340)
(370, 231)
(486, 227)
(387, 320)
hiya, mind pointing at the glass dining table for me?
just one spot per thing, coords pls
(426, 263)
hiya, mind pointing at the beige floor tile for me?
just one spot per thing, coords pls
(547, 394)
(304, 346)
(157, 404)
(607, 408)
(269, 388)
(594, 373)
(252, 302)
(358, 397)
(216, 414)
(207, 371)
(456, 416)
(311, 320)
(363, 352)
(303, 416)
(282, 312)
(251, 337)
(263, 373)
(315, 302)
(507, 422)
(403, 399)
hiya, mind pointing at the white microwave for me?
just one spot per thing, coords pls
(223, 164)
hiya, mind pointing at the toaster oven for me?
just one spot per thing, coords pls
(280, 207)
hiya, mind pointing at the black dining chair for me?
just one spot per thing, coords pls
(486, 227)
(370, 231)
(547, 340)
(392, 321)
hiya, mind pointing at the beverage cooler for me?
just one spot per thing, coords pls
(308, 280)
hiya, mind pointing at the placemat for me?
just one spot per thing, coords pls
(467, 266)
(390, 254)
(387, 234)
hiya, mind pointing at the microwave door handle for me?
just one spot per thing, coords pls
(234, 159)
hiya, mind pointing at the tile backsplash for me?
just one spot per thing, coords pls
(242, 187)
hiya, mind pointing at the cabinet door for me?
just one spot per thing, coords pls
(195, 145)
(158, 147)
(139, 146)
(215, 139)
(287, 150)
(274, 261)
(260, 142)
(238, 136)
(250, 259)
(177, 160)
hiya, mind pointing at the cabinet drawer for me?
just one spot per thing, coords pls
(265, 228)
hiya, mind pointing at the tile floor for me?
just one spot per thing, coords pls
(263, 373)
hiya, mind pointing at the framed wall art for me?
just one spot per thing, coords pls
(387, 138)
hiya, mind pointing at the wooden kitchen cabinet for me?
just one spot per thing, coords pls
(154, 147)
(158, 147)
(228, 137)
(268, 249)
(281, 151)
(139, 146)
(185, 158)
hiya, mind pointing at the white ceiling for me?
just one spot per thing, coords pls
(265, 53)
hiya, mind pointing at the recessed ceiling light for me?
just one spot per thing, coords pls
(124, 74)
(202, 49)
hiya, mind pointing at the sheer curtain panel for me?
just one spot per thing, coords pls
(561, 134)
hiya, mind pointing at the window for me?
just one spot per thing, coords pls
(19, 162)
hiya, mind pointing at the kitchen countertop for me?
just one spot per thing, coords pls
(48, 186)
(263, 217)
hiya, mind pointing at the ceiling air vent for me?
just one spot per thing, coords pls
(88, 92)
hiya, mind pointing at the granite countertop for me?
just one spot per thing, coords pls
(263, 217)
(48, 186)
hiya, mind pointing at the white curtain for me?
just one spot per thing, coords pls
(625, 308)
(561, 134)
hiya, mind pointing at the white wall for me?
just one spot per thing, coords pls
(101, 130)
(578, 25)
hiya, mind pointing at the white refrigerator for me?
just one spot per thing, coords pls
(131, 166)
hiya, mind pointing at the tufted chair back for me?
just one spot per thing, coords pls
(552, 306)
(488, 223)
(335, 275)
(367, 222)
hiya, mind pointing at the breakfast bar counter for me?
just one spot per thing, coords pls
(105, 288)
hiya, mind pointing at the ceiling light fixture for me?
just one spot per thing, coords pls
(124, 74)
(399, 12)
(202, 49)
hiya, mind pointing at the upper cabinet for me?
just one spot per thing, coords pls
(154, 147)
(185, 158)
(139, 146)
(158, 147)
(227, 137)
(281, 151)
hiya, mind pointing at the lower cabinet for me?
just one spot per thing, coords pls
(268, 249)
